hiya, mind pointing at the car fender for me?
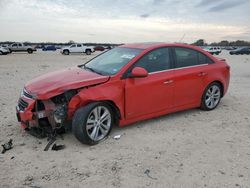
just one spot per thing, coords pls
(218, 77)
(110, 91)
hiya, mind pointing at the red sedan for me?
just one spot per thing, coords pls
(126, 84)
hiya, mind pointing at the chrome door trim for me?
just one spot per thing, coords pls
(177, 68)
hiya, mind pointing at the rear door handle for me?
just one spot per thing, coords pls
(168, 82)
(202, 74)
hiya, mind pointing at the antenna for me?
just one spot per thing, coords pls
(182, 37)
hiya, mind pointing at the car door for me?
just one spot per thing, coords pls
(14, 47)
(189, 74)
(79, 48)
(73, 48)
(152, 93)
(20, 47)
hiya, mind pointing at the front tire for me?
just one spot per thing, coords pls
(93, 123)
(211, 96)
(66, 52)
(30, 51)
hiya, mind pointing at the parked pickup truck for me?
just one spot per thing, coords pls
(213, 50)
(20, 47)
(77, 48)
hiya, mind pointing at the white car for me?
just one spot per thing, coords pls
(77, 48)
(213, 50)
(4, 51)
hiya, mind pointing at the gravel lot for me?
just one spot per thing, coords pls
(187, 149)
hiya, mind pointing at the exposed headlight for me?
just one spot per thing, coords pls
(60, 113)
(25, 93)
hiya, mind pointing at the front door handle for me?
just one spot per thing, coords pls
(168, 82)
(202, 74)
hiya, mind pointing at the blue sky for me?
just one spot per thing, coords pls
(123, 21)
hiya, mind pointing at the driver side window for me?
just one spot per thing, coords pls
(154, 61)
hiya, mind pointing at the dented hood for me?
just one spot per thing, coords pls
(55, 83)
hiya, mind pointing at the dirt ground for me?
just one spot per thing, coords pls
(187, 149)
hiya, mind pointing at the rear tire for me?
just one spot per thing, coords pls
(88, 52)
(211, 96)
(30, 51)
(92, 123)
(1, 53)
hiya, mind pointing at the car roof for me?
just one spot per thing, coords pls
(152, 45)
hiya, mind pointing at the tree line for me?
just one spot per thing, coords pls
(202, 42)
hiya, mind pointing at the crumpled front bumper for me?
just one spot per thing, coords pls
(24, 112)
(30, 113)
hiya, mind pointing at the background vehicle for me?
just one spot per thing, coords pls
(99, 48)
(4, 51)
(49, 48)
(230, 48)
(20, 47)
(240, 51)
(124, 85)
(213, 50)
(108, 47)
(77, 48)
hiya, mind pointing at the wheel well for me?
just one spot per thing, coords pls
(88, 49)
(221, 85)
(115, 110)
(29, 49)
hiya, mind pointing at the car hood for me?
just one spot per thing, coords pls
(55, 83)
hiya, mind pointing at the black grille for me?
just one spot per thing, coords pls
(26, 94)
(22, 104)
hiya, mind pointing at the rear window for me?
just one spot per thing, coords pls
(186, 57)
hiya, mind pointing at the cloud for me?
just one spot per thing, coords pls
(122, 20)
(158, 1)
(144, 15)
(226, 5)
(220, 5)
(207, 2)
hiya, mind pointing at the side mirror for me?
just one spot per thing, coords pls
(138, 72)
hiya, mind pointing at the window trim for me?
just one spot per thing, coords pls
(209, 60)
(127, 72)
(180, 68)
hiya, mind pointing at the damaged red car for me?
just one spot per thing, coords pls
(127, 84)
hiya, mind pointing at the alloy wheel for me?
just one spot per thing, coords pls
(213, 96)
(98, 123)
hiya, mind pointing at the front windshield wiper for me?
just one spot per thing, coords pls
(91, 69)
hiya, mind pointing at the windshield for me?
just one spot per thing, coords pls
(110, 62)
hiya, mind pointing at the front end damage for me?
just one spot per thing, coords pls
(43, 117)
